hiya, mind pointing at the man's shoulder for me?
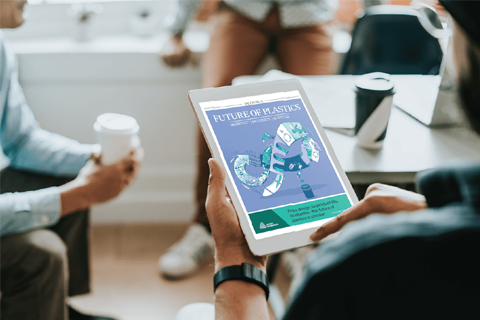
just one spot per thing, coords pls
(380, 229)
(458, 183)
(396, 265)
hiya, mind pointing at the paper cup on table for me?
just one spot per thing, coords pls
(117, 135)
(373, 105)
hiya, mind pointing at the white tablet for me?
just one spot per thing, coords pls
(281, 172)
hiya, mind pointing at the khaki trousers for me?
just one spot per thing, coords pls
(42, 267)
(238, 46)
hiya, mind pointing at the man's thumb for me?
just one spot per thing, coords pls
(216, 184)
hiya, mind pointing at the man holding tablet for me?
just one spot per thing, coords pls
(283, 176)
(419, 262)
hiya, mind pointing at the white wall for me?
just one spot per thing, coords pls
(67, 90)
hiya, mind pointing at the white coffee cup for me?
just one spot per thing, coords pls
(117, 136)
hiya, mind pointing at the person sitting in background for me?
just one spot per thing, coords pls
(299, 33)
(416, 258)
(44, 228)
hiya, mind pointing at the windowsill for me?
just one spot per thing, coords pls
(197, 41)
(105, 59)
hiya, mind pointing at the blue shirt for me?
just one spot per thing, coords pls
(30, 148)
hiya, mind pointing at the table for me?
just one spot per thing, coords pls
(409, 146)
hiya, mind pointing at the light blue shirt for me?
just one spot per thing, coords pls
(292, 13)
(30, 148)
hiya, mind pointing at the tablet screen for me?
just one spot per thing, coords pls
(282, 172)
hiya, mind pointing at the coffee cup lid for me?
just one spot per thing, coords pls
(375, 83)
(116, 123)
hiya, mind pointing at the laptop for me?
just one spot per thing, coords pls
(432, 100)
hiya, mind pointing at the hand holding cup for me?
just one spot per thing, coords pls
(97, 183)
(102, 182)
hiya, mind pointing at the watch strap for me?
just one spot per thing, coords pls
(244, 272)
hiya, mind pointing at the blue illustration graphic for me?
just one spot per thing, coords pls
(275, 159)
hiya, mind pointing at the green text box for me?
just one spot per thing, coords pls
(292, 215)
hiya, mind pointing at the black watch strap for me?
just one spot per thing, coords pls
(245, 272)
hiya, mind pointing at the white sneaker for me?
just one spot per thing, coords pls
(187, 255)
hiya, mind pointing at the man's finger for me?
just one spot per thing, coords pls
(325, 230)
(351, 214)
(328, 228)
(216, 183)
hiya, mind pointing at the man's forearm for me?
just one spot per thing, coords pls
(237, 299)
(234, 299)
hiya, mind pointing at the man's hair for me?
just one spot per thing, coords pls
(469, 86)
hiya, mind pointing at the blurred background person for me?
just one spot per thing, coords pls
(44, 223)
(243, 32)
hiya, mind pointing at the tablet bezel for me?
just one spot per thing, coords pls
(292, 239)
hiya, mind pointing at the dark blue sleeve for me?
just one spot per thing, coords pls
(445, 186)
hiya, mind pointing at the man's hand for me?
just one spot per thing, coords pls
(230, 243)
(379, 198)
(176, 54)
(233, 299)
(97, 183)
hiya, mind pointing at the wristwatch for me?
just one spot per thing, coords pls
(245, 272)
